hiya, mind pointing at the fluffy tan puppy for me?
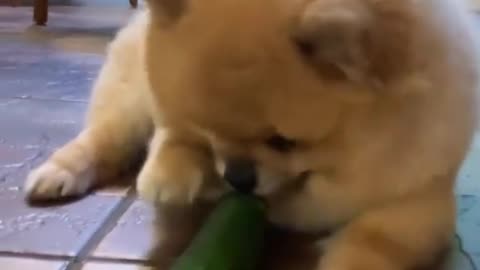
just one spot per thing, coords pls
(356, 113)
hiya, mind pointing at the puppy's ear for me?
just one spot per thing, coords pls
(168, 11)
(348, 39)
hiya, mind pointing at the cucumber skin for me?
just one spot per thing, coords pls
(231, 239)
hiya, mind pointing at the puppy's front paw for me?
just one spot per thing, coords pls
(52, 181)
(170, 185)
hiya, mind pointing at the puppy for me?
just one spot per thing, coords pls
(352, 115)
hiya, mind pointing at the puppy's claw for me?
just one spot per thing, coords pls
(159, 187)
(51, 181)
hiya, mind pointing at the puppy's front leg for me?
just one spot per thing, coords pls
(179, 168)
(404, 234)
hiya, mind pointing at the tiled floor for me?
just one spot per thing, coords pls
(45, 77)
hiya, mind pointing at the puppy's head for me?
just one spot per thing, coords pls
(268, 81)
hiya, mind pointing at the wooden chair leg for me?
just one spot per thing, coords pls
(134, 3)
(40, 12)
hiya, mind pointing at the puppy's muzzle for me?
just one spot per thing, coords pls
(241, 174)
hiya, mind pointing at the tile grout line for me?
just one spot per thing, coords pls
(72, 266)
(104, 228)
(28, 255)
(119, 261)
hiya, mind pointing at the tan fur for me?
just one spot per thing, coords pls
(380, 102)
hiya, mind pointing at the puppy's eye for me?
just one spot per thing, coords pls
(305, 48)
(280, 143)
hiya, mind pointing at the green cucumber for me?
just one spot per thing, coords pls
(231, 239)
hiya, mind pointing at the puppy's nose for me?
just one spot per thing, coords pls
(241, 174)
